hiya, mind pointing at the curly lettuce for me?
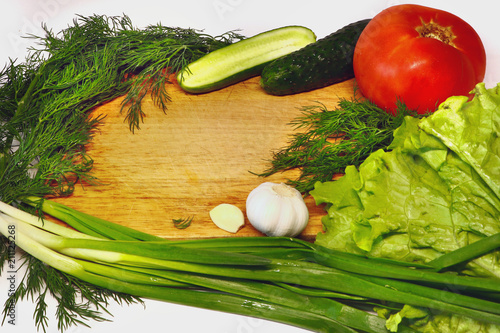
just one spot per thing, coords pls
(436, 189)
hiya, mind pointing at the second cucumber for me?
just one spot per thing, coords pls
(325, 62)
(243, 59)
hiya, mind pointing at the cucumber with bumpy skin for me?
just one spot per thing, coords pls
(243, 59)
(317, 65)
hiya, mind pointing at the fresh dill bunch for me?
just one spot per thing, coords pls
(327, 141)
(45, 136)
(145, 58)
(45, 101)
(157, 53)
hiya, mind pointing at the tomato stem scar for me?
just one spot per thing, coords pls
(436, 31)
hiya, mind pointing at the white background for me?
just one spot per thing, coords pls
(23, 17)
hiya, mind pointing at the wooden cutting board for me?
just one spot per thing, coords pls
(199, 154)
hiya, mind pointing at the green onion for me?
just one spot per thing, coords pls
(282, 279)
(89, 224)
(466, 253)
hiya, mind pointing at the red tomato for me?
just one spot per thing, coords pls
(419, 56)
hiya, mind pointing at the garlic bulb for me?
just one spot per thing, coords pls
(277, 210)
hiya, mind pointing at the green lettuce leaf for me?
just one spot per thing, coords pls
(408, 312)
(473, 132)
(436, 189)
(441, 323)
(421, 198)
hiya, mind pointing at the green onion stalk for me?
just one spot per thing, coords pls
(275, 278)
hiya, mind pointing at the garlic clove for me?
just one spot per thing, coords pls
(227, 217)
(277, 210)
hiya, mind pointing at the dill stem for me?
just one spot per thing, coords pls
(28, 95)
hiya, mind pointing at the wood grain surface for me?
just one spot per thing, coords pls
(198, 154)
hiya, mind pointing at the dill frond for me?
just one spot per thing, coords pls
(327, 141)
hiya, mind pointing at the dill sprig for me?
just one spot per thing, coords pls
(182, 223)
(327, 141)
(157, 53)
(144, 58)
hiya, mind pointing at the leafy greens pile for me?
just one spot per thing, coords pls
(435, 190)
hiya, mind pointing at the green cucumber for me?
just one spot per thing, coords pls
(243, 59)
(317, 65)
